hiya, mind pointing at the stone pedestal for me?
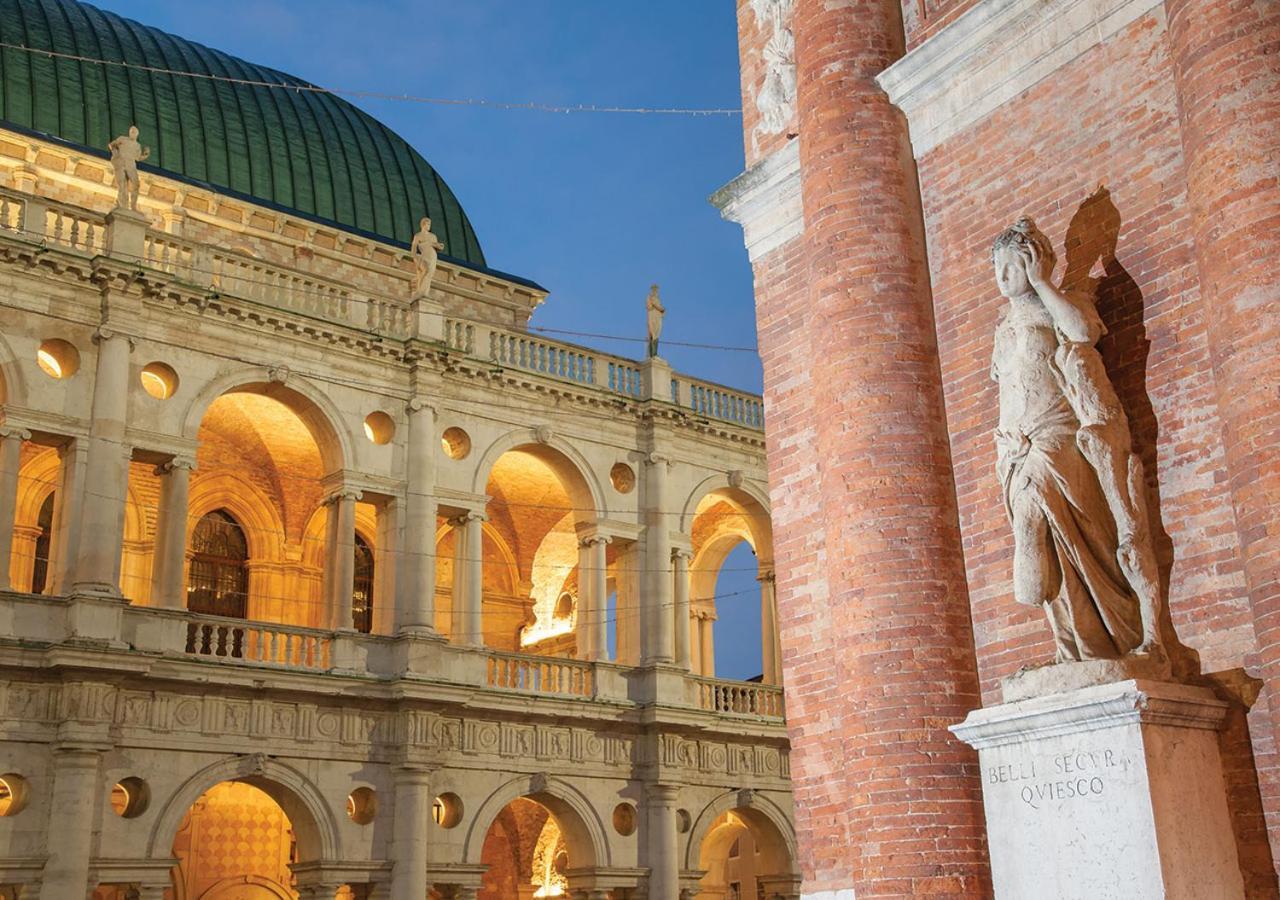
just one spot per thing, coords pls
(1109, 791)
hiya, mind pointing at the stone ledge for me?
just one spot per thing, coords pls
(1131, 702)
(990, 54)
(765, 200)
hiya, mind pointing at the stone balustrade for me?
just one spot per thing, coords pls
(226, 640)
(176, 634)
(239, 275)
(540, 675)
(743, 698)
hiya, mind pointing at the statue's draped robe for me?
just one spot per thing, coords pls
(1054, 501)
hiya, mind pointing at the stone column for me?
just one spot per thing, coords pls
(657, 639)
(11, 439)
(340, 542)
(152, 891)
(583, 630)
(593, 597)
(318, 891)
(409, 834)
(71, 816)
(168, 568)
(106, 472)
(707, 642)
(65, 543)
(1227, 73)
(416, 603)
(468, 579)
(680, 573)
(875, 363)
(663, 842)
(770, 647)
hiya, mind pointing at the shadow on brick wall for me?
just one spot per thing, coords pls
(1092, 238)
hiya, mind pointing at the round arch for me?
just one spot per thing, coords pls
(762, 815)
(313, 534)
(574, 813)
(36, 481)
(495, 539)
(747, 497)
(314, 823)
(317, 412)
(253, 509)
(13, 386)
(575, 473)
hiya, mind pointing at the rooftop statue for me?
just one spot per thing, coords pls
(654, 311)
(1073, 487)
(126, 153)
(426, 249)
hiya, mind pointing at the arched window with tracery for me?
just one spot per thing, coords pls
(362, 597)
(218, 583)
(44, 541)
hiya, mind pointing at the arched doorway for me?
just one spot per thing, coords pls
(744, 856)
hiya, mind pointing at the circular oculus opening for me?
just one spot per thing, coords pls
(623, 478)
(58, 358)
(456, 443)
(130, 797)
(624, 819)
(379, 427)
(159, 380)
(446, 810)
(13, 794)
(362, 805)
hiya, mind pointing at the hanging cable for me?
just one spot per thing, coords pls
(302, 87)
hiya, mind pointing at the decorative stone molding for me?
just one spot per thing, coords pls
(776, 98)
(992, 53)
(765, 201)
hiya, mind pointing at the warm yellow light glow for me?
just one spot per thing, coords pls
(368, 431)
(547, 877)
(154, 385)
(119, 799)
(49, 363)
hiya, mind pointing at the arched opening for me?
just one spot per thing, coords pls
(256, 539)
(235, 843)
(745, 856)
(218, 583)
(527, 853)
(731, 597)
(533, 590)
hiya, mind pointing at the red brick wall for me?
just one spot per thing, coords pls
(814, 693)
(1096, 157)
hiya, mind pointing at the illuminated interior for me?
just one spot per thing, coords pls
(526, 853)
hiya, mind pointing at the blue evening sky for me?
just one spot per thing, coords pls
(594, 207)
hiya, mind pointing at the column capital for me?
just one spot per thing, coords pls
(350, 494)
(471, 515)
(592, 540)
(418, 404)
(15, 431)
(178, 462)
(653, 458)
(767, 576)
(106, 333)
(684, 553)
(662, 793)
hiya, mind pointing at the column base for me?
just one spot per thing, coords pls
(95, 618)
(1108, 791)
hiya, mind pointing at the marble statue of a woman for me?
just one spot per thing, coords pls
(1073, 488)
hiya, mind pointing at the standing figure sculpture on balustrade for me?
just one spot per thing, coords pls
(126, 153)
(654, 311)
(426, 249)
(1073, 487)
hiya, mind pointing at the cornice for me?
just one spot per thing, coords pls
(991, 54)
(765, 200)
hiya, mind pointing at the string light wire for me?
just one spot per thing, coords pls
(301, 87)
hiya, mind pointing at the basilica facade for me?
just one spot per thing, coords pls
(326, 575)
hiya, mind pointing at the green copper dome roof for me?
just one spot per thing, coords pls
(302, 151)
